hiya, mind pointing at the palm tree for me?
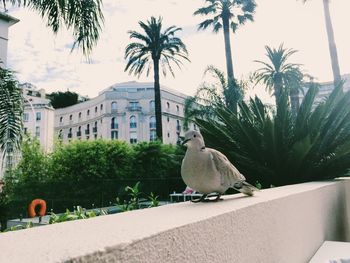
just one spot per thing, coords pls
(154, 49)
(11, 109)
(227, 14)
(202, 104)
(331, 43)
(279, 76)
(84, 18)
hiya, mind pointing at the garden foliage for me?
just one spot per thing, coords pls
(91, 172)
(276, 147)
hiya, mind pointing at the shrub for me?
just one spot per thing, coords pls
(277, 148)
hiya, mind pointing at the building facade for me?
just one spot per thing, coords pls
(5, 22)
(38, 116)
(125, 112)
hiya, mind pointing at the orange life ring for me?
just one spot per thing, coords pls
(35, 203)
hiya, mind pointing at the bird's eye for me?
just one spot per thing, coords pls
(194, 136)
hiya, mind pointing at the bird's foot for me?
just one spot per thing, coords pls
(208, 198)
(197, 200)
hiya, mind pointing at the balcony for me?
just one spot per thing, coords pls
(70, 135)
(114, 126)
(281, 224)
(134, 108)
(94, 129)
(87, 132)
(78, 133)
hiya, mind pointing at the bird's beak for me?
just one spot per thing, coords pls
(184, 142)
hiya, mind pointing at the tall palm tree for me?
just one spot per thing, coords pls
(226, 15)
(279, 76)
(11, 109)
(84, 18)
(155, 48)
(331, 42)
(208, 95)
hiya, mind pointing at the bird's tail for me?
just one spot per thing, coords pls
(245, 188)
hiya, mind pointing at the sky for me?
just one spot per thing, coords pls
(45, 60)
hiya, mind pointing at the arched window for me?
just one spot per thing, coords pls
(114, 124)
(152, 122)
(88, 112)
(133, 123)
(168, 105)
(96, 109)
(79, 131)
(70, 133)
(114, 106)
(61, 119)
(60, 135)
(101, 107)
(79, 116)
(152, 105)
(177, 108)
(87, 131)
(70, 117)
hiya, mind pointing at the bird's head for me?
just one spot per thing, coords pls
(193, 139)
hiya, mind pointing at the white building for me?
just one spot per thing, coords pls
(325, 88)
(125, 112)
(38, 115)
(5, 22)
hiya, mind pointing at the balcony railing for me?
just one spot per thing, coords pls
(87, 132)
(134, 108)
(94, 129)
(78, 133)
(114, 126)
(281, 224)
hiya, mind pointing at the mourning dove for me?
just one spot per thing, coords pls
(207, 171)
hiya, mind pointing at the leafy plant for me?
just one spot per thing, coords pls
(154, 200)
(78, 213)
(276, 148)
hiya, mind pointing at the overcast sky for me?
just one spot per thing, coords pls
(45, 60)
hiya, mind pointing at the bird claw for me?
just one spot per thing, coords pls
(206, 198)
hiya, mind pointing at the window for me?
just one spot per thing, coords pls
(101, 107)
(167, 119)
(178, 126)
(25, 130)
(79, 131)
(134, 106)
(133, 137)
(114, 106)
(152, 105)
(79, 115)
(168, 105)
(114, 135)
(114, 124)
(60, 135)
(25, 117)
(61, 119)
(152, 135)
(70, 133)
(133, 123)
(88, 112)
(70, 117)
(152, 122)
(96, 109)
(87, 131)
(37, 131)
(177, 108)
(168, 135)
(94, 129)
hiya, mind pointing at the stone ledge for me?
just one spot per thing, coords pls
(283, 224)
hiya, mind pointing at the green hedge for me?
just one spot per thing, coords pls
(92, 172)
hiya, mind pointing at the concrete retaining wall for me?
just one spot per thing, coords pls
(284, 224)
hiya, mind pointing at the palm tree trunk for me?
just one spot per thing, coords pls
(294, 100)
(331, 43)
(157, 100)
(229, 64)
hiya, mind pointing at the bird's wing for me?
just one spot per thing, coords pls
(229, 174)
